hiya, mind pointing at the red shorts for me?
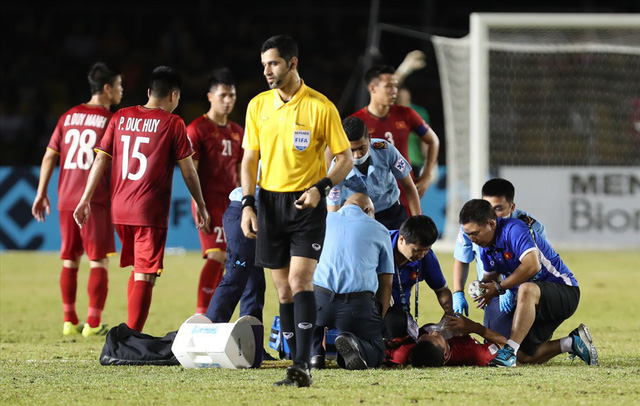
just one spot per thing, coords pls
(216, 241)
(96, 237)
(142, 247)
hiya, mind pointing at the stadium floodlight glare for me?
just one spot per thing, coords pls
(539, 90)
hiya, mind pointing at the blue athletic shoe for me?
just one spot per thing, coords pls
(583, 346)
(505, 357)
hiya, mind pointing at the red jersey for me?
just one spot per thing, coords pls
(144, 144)
(395, 127)
(465, 351)
(78, 131)
(218, 150)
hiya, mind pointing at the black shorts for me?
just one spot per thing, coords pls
(285, 231)
(393, 217)
(557, 303)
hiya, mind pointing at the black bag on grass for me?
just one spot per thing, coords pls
(125, 346)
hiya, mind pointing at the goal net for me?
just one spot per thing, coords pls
(531, 96)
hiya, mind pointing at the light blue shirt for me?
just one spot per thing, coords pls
(466, 251)
(236, 194)
(387, 165)
(356, 249)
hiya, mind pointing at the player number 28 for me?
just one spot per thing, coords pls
(135, 154)
(83, 144)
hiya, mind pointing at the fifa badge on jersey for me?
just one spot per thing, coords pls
(379, 145)
(301, 139)
(400, 164)
(508, 255)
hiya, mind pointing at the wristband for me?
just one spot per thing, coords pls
(499, 289)
(324, 186)
(249, 201)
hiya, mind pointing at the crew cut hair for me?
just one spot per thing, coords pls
(419, 230)
(499, 187)
(374, 73)
(477, 211)
(99, 75)
(222, 76)
(426, 354)
(164, 80)
(286, 46)
(355, 128)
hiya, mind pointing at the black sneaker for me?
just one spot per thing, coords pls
(347, 347)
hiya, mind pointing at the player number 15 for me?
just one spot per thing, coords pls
(135, 153)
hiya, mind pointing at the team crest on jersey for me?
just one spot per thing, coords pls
(379, 145)
(401, 125)
(508, 255)
(235, 136)
(215, 134)
(400, 164)
(301, 139)
(335, 193)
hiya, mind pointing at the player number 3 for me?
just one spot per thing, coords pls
(126, 141)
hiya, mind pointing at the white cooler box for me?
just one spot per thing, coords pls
(203, 344)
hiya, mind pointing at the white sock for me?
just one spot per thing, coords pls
(566, 343)
(513, 345)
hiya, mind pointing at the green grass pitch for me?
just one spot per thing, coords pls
(39, 366)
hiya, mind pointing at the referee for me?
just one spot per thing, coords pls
(287, 131)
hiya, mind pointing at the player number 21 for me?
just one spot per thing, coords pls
(135, 154)
(85, 141)
(226, 148)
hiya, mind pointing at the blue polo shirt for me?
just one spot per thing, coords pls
(513, 241)
(466, 251)
(387, 165)
(356, 249)
(425, 269)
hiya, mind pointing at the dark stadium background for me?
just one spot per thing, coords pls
(47, 48)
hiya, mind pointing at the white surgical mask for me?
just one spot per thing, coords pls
(363, 158)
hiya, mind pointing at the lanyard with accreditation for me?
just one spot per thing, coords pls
(412, 324)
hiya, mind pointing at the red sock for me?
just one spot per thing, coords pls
(130, 285)
(210, 278)
(68, 287)
(97, 288)
(139, 304)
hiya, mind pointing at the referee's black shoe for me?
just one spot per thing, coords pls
(348, 349)
(297, 375)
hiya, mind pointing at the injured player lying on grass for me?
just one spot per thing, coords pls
(449, 343)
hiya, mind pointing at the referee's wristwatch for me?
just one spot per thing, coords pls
(499, 289)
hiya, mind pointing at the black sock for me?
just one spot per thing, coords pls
(287, 326)
(305, 319)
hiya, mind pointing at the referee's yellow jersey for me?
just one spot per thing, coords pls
(292, 137)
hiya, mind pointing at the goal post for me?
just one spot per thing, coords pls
(532, 95)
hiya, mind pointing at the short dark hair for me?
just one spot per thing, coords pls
(420, 230)
(426, 354)
(222, 76)
(164, 80)
(477, 211)
(286, 46)
(375, 72)
(99, 75)
(355, 128)
(499, 187)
